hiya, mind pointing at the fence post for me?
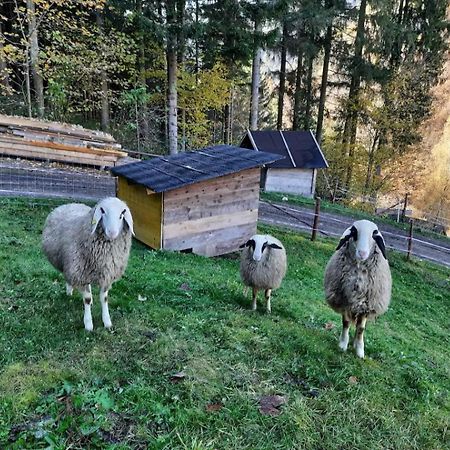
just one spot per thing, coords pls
(405, 205)
(316, 220)
(410, 240)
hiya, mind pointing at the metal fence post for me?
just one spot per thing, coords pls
(410, 240)
(316, 220)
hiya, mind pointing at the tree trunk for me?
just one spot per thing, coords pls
(4, 76)
(26, 72)
(172, 69)
(144, 115)
(38, 83)
(197, 46)
(256, 80)
(323, 86)
(309, 92)
(105, 118)
(231, 118)
(349, 138)
(298, 90)
(172, 98)
(370, 162)
(282, 87)
(141, 42)
(180, 32)
(226, 124)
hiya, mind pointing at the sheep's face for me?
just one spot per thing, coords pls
(362, 237)
(111, 213)
(258, 245)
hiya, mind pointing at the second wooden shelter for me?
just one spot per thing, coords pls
(204, 201)
(297, 172)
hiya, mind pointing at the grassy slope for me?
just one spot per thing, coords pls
(62, 386)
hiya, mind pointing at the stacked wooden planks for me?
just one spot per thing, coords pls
(54, 141)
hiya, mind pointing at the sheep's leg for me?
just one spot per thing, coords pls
(69, 289)
(343, 340)
(267, 294)
(359, 337)
(105, 310)
(87, 298)
(255, 293)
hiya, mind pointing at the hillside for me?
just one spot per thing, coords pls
(187, 362)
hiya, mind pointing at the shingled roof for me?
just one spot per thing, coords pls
(164, 173)
(299, 148)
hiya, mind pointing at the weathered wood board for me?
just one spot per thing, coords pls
(212, 217)
(291, 181)
(146, 210)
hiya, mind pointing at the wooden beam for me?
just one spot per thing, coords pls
(58, 146)
(73, 130)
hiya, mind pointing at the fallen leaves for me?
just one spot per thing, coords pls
(353, 380)
(306, 389)
(185, 287)
(142, 298)
(151, 335)
(213, 407)
(269, 405)
(329, 326)
(178, 377)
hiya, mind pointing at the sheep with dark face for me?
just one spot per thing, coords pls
(89, 246)
(263, 265)
(358, 280)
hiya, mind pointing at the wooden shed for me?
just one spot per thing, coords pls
(203, 201)
(297, 172)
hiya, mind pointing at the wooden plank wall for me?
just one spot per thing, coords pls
(291, 181)
(146, 210)
(212, 217)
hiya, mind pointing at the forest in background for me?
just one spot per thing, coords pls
(167, 76)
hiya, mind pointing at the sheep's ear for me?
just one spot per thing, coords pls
(129, 220)
(273, 245)
(380, 243)
(96, 217)
(348, 233)
(249, 243)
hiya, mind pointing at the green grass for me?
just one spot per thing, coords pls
(61, 387)
(338, 208)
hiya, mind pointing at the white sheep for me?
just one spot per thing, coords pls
(358, 280)
(89, 246)
(263, 265)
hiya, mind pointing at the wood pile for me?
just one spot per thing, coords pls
(54, 141)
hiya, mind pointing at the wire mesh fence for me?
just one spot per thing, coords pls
(49, 179)
(43, 179)
(326, 224)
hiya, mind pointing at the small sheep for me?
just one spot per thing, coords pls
(89, 246)
(263, 265)
(358, 280)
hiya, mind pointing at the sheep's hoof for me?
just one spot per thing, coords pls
(88, 326)
(359, 350)
(108, 326)
(343, 345)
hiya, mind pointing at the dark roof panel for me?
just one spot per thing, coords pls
(299, 148)
(164, 173)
